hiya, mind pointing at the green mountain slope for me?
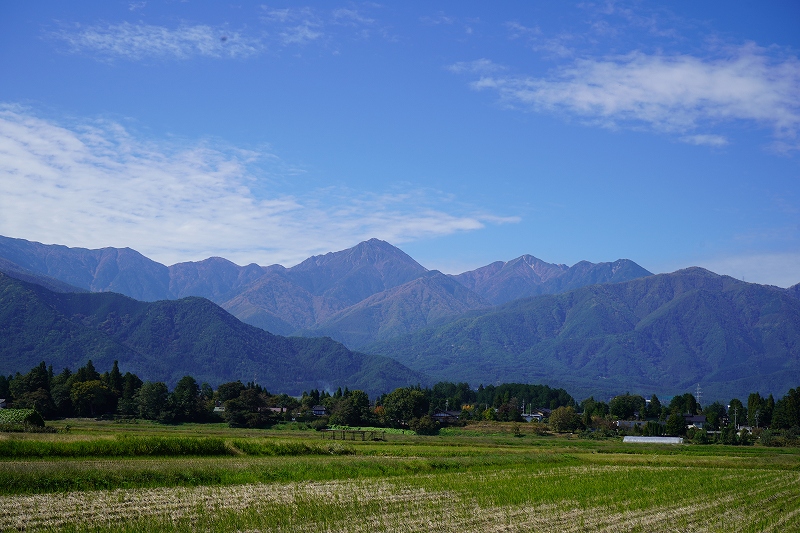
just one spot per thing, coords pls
(18, 272)
(165, 340)
(660, 334)
(400, 310)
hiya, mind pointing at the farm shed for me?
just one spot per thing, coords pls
(654, 440)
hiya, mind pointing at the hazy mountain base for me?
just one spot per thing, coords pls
(661, 334)
(166, 340)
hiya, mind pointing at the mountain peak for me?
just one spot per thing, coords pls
(358, 272)
(373, 252)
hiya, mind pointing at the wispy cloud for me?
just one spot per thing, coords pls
(705, 139)
(351, 17)
(668, 93)
(479, 66)
(144, 41)
(550, 46)
(436, 20)
(93, 183)
(284, 27)
(303, 25)
(301, 34)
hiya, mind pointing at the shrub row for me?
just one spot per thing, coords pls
(119, 447)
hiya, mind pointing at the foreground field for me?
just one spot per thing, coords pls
(293, 481)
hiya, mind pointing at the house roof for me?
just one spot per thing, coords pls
(447, 413)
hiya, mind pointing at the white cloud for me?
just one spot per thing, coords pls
(677, 93)
(705, 140)
(142, 41)
(517, 30)
(94, 184)
(301, 34)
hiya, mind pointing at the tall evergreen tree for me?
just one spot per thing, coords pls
(127, 404)
(737, 412)
(184, 401)
(786, 414)
(115, 379)
(152, 400)
(87, 373)
(60, 392)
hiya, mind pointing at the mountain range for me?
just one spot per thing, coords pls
(168, 339)
(366, 293)
(592, 328)
(664, 333)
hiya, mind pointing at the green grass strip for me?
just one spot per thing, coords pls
(122, 446)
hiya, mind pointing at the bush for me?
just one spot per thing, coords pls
(20, 419)
(597, 434)
(320, 423)
(564, 419)
(697, 436)
(424, 425)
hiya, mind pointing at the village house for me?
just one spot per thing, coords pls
(695, 421)
(446, 417)
(537, 414)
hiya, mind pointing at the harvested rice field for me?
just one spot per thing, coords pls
(455, 483)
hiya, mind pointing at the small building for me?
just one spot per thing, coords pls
(696, 421)
(3, 403)
(537, 414)
(653, 440)
(630, 424)
(446, 417)
(319, 410)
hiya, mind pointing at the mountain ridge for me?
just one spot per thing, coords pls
(314, 295)
(659, 334)
(167, 339)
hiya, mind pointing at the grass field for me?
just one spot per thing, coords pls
(103, 476)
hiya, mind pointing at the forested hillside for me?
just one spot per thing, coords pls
(166, 340)
(663, 334)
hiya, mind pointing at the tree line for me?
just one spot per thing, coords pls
(88, 393)
(774, 422)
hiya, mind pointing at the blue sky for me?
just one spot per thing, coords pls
(462, 132)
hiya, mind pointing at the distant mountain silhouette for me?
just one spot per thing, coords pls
(528, 276)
